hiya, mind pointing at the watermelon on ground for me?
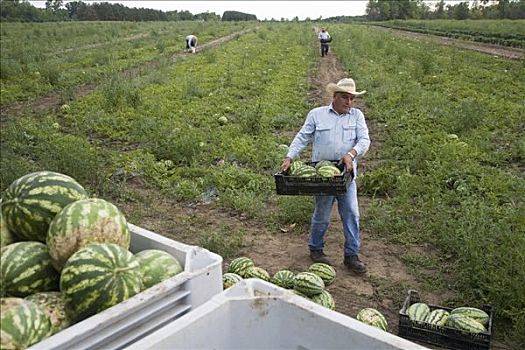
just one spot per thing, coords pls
(283, 278)
(157, 266)
(257, 272)
(325, 271)
(324, 299)
(31, 202)
(54, 306)
(83, 222)
(240, 265)
(229, 279)
(308, 283)
(26, 269)
(372, 317)
(22, 324)
(97, 277)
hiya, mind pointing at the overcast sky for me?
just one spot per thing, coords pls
(262, 9)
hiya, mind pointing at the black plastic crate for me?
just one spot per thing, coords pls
(446, 337)
(315, 185)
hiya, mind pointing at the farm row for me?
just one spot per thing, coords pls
(450, 125)
(61, 56)
(499, 32)
(448, 122)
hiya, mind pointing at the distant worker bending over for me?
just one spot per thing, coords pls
(191, 43)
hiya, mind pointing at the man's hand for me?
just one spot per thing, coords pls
(347, 161)
(286, 164)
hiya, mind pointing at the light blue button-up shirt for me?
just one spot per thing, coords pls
(333, 134)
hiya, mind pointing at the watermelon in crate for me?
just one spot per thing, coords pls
(452, 332)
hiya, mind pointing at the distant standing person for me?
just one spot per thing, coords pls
(338, 132)
(324, 38)
(191, 43)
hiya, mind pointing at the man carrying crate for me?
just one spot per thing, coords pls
(337, 131)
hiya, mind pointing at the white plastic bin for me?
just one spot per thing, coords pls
(142, 314)
(254, 314)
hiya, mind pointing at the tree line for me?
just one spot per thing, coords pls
(384, 10)
(58, 10)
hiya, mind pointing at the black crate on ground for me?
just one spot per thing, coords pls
(315, 185)
(446, 337)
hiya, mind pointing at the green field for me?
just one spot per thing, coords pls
(448, 169)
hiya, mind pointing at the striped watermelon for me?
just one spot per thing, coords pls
(465, 323)
(328, 171)
(477, 314)
(257, 272)
(26, 269)
(308, 283)
(54, 306)
(229, 279)
(418, 312)
(97, 277)
(83, 222)
(6, 236)
(324, 299)
(157, 266)
(323, 163)
(437, 317)
(239, 265)
(373, 317)
(283, 278)
(22, 324)
(325, 271)
(305, 171)
(32, 201)
(296, 165)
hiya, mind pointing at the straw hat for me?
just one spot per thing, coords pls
(346, 85)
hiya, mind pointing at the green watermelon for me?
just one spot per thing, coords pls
(240, 265)
(26, 269)
(465, 323)
(472, 312)
(296, 165)
(283, 278)
(418, 312)
(323, 163)
(229, 279)
(308, 283)
(437, 317)
(296, 292)
(6, 236)
(157, 266)
(22, 324)
(97, 277)
(324, 299)
(32, 201)
(328, 171)
(325, 271)
(83, 222)
(305, 171)
(372, 317)
(257, 272)
(54, 306)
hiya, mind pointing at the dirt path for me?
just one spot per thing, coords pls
(491, 49)
(54, 100)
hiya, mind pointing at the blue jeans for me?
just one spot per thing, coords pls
(349, 213)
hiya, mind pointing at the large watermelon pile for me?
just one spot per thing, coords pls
(308, 284)
(65, 257)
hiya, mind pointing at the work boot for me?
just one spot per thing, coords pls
(319, 257)
(353, 263)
